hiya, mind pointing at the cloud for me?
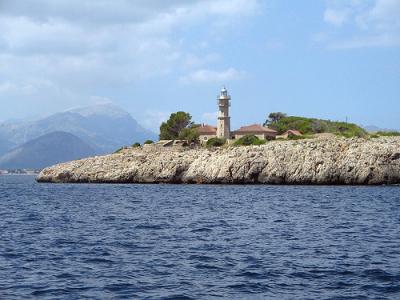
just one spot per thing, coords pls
(363, 24)
(77, 46)
(153, 119)
(383, 16)
(213, 76)
(7, 86)
(194, 61)
(104, 12)
(366, 41)
(274, 44)
(336, 17)
(27, 88)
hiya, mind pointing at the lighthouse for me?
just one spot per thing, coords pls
(224, 120)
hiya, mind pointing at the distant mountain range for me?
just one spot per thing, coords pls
(49, 149)
(104, 128)
(373, 128)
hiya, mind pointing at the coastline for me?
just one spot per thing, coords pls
(334, 161)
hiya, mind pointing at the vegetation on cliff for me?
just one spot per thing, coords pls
(281, 123)
(215, 142)
(317, 161)
(179, 126)
(388, 133)
(248, 140)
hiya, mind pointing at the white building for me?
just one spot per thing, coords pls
(223, 129)
(224, 120)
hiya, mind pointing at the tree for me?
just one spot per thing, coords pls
(249, 140)
(171, 129)
(136, 145)
(215, 142)
(190, 134)
(274, 118)
(148, 142)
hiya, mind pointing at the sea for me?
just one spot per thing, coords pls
(134, 241)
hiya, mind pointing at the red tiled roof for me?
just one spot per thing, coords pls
(255, 128)
(294, 132)
(207, 130)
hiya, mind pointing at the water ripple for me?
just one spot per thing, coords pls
(198, 242)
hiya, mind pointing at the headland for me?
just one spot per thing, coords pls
(327, 161)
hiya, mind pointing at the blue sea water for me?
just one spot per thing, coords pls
(198, 241)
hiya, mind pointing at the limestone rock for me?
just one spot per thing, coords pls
(316, 161)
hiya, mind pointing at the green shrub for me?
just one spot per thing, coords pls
(119, 150)
(216, 142)
(189, 134)
(249, 140)
(298, 137)
(136, 145)
(148, 142)
(171, 129)
(313, 126)
(388, 133)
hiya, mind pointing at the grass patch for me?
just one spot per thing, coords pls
(119, 150)
(215, 142)
(248, 140)
(299, 137)
(309, 126)
(388, 133)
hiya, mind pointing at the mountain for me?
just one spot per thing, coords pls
(373, 128)
(104, 127)
(45, 151)
(4, 145)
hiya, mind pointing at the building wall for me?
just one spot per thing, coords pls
(261, 136)
(223, 128)
(224, 122)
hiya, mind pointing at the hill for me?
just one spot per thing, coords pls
(104, 127)
(375, 129)
(313, 126)
(46, 150)
(335, 160)
(4, 145)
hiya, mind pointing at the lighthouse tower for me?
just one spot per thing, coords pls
(224, 120)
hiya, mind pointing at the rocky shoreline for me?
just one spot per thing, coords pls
(313, 161)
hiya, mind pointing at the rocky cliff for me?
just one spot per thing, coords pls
(316, 161)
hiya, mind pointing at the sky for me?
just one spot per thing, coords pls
(332, 59)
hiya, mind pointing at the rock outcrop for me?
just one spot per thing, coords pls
(313, 161)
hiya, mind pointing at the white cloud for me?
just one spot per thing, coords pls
(274, 44)
(7, 86)
(383, 16)
(366, 41)
(77, 46)
(104, 12)
(374, 23)
(213, 76)
(27, 88)
(153, 119)
(100, 100)
(232, 7)
(336, 17)
(195, 61)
